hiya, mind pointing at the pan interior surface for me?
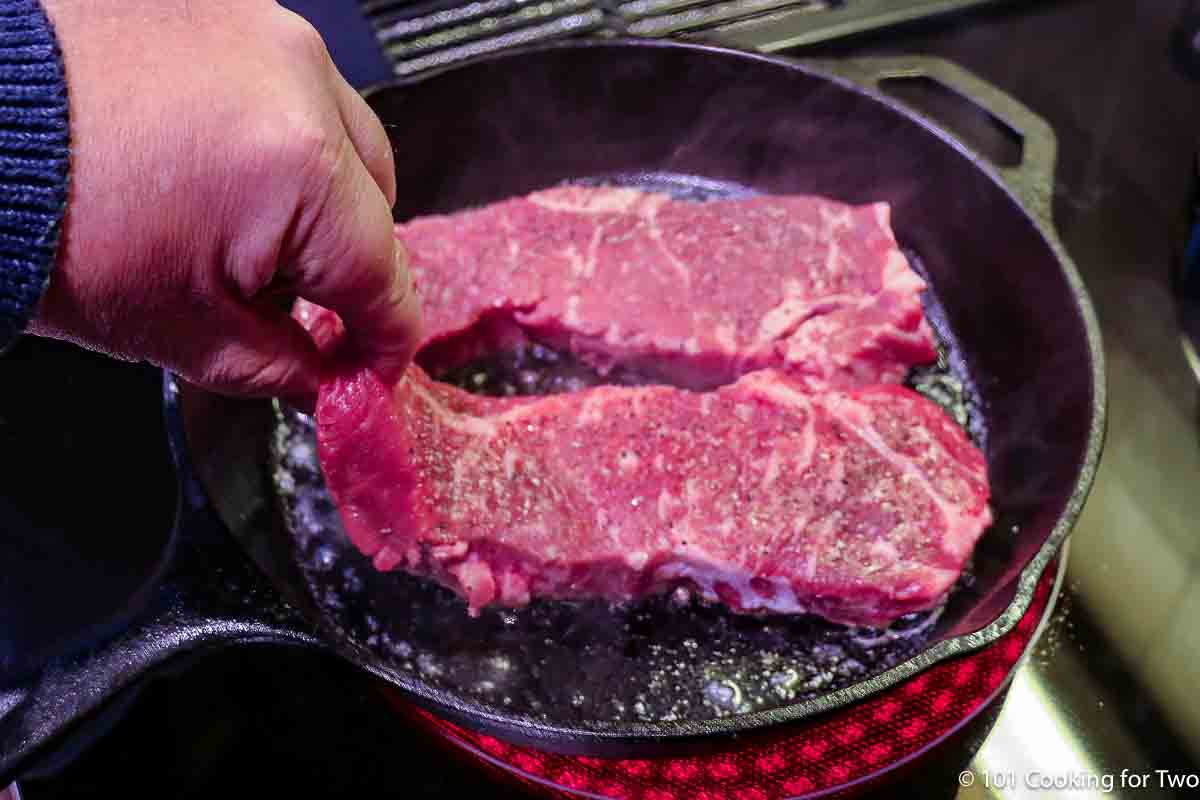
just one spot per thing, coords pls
(664, 659)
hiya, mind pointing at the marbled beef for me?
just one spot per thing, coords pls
(692, 294)
(859, 506)
(787, 470)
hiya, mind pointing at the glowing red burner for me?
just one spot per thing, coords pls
(854, 749)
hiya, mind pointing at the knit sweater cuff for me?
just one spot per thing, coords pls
(34, 159)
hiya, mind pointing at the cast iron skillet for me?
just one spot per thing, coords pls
(1023, 329)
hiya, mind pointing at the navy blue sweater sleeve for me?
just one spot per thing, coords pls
(34, 159)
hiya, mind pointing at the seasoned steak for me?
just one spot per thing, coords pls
(860, 506)
(785, 470)
(692, 294)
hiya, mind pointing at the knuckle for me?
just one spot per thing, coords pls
(293, 147)
(301, 38)
(312, 150)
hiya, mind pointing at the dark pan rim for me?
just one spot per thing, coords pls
(534, 731)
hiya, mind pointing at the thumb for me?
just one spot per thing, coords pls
(266, 354)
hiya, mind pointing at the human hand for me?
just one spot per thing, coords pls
(219, 163)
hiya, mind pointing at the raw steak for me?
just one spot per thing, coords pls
(693, 294)
(860, 506)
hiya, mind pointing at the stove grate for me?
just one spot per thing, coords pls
(424, 35)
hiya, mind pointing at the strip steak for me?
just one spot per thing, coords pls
(692, 294)
(860, 506)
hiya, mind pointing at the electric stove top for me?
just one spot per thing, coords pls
(85, 480)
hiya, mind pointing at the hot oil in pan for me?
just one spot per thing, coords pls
(665, 658)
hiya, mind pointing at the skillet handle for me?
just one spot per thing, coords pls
(1032, 180)
(206, 594)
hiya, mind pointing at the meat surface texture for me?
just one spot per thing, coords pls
(692, 294)
(860, 506)
(787, 470)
